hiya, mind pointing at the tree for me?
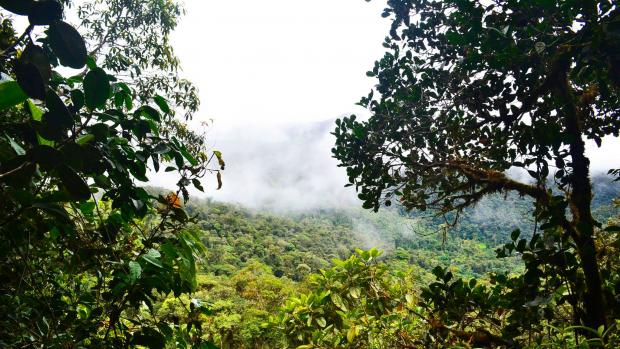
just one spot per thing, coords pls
(472, 89)
(86, 251)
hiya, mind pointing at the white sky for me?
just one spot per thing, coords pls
(275, 61)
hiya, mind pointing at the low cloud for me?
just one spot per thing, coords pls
(289, 167)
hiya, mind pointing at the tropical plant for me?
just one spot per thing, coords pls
(470, 90)
(84, 247)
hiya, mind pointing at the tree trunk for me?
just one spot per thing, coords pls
(594, 301)
(580, 200)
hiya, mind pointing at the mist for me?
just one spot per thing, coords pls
(289, 167)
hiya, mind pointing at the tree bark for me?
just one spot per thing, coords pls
(580, 201)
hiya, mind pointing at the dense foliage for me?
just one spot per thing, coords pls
(470, 92)
(85, 248)
(472, 89)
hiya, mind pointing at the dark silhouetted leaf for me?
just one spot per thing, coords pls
(75, 185)
(30, 80)
(20, 7)
(67, 44)
(45, 12)
(35, 55)
(77, 97)
(149, 338)
(47, 157)
(96, 88)
(58, 111)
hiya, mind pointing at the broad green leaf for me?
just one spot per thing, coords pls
(162, 104)
(186, 154)
(148, 112)
(87, 138)
(96, 88)
(135, 270)
(337, 300)
(351, 333)
(16, 147)
(11, 94)
(153, 257)
(354, 292)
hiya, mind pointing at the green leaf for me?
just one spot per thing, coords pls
(75, 185)
(11, 94)
(337, 300)
(96, 88)
(87, 138)
(67, 44)
(162, 104)
(45, 12)
(351, 333)
(135, 270)
(16, 147)
(148, 112)
(153, 256)
(192, 160)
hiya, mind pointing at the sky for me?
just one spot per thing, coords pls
(272, 76)
(279, 61)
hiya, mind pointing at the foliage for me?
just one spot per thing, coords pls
(470, 90)
(84, 248)
(133, 38)
(355, 304)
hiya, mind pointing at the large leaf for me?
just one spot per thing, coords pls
(35, 55)
(162, 104)
(153, 257)
(30, 80)
(45, 12)
(135, 270)
(20, 7)
(47, 157)
(11, 94)
(75, 185)
(96, 88)
(149, 338)
(67, 44)
(58, 112)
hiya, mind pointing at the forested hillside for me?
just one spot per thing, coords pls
(487, 209)
(256, 259)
